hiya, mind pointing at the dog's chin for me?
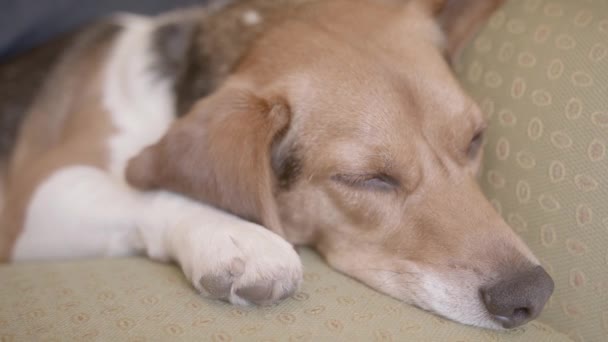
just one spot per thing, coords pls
(481, 320)
(471, 314)
(460, 303)
(454, 296)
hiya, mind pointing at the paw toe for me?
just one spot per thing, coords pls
(259, 293)
(217, 286)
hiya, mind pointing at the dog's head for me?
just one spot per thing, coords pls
(343, 128)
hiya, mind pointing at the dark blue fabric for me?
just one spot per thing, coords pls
(26, 23)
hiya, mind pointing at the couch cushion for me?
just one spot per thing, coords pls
(540, 71)
(138, 300)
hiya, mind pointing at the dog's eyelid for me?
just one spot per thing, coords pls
(372, 181)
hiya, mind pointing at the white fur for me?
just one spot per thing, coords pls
(82, 211)
(78, 212)
(456, 298)
(251, 17)
(141, 102)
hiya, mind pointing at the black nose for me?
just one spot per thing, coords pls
(519, 298)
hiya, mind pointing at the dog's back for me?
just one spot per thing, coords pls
(21, 78)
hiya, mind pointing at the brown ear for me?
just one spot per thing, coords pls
(219, 153)
(461, 19)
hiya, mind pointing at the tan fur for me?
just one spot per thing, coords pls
(3, 173)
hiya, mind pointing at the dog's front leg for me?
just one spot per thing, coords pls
(222, 255)
(84, 212)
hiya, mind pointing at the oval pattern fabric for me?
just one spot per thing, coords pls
(139, 300)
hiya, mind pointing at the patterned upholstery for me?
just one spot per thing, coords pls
(540, 72)
(137, 300)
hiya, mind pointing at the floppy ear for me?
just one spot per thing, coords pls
(460, 19)
(219, 153)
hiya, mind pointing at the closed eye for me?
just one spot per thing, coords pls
(378, 182)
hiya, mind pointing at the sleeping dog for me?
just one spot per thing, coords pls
(220, 137)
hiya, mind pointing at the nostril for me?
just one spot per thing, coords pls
(521, 314)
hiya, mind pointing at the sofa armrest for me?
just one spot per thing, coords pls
(540, 72)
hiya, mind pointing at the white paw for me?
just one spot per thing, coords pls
(243, 263)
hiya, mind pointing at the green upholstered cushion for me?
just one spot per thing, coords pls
(138, 300)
